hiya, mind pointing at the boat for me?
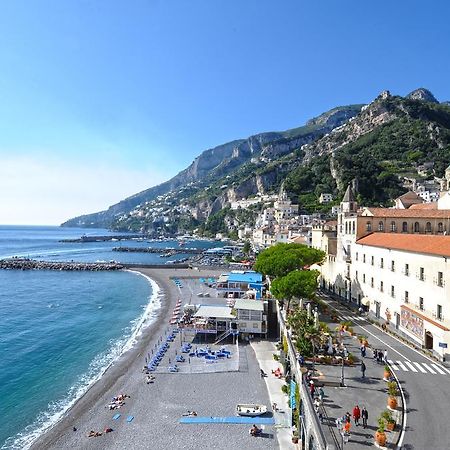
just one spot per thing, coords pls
(243, 409)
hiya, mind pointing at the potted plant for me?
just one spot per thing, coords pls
(393, 392)
(387, 373)
(387, 417)
(295, 437)
(380, 435)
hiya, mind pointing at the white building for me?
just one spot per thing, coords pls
(325, 198)
(394, 262)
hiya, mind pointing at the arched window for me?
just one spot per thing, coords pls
(416, 227)
(404, 227)
(440, 227)
(380, 226)
(428, 227)
(368, 226)
(393, 227)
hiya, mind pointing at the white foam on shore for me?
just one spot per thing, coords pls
(101, 363)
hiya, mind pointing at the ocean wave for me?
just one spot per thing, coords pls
(101, 363)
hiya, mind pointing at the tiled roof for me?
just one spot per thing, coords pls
(432, 205)
(408, 213)
(416, 243)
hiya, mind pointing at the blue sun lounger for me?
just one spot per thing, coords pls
(116, 416)
(130, 418)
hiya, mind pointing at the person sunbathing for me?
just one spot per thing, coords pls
(254, 430)
(93, 433)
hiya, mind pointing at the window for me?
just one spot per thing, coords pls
(346, 228)
(407, 270)
(440, 227)
(421, 303)
(392, 266)
(368, 226)
(243, 325)
(353, 227)
(372, 260)
(381, 286)
(380, 226)
(392, 291)
(393, 227)
(356, 274)
(406, 297)
(255, 325)
(364, 277)
(439, 312)
(416, 227)
(428, 227)
(440, 279)
(422, 274)
(356, 256)
(364, 258)
(381, 263)
(371, 282)
(404, 227)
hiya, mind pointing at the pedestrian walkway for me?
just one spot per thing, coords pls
(264, 351)
(419, 368)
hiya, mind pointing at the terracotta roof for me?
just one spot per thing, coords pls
(432, 205)
(416, 243)
(410, 195)
(409, 213)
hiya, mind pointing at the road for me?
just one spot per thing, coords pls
(425, 383)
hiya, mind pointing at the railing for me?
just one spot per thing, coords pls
(304, 393)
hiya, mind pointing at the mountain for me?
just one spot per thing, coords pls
(386, 146)
(225, 159)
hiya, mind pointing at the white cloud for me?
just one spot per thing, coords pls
(47, 191)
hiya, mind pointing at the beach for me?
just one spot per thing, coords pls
(156, 408)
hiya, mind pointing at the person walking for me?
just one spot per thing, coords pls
(363, 369)
(364, 416)
(356, 414)
(363, 351)
(321, 394)
(385, 356)
(312, 388)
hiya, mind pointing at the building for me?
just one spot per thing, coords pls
(393, 261)
(251, 316)
(238, 284)
(325, 198)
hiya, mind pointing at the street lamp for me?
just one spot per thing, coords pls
(344, 355)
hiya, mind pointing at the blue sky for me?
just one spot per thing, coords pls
(102, 99)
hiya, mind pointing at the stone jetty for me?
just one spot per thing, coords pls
(163, 251)
(32, 264)
(124, 237)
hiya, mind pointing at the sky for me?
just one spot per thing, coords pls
(101, 99)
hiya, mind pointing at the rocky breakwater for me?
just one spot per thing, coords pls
(31, 264)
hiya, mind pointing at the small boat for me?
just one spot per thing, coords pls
(252, 410)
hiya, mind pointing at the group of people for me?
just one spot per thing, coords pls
(380, 356)
(344, 422)
(93, 433)
(117, 402)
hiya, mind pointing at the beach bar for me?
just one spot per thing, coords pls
(241, 283)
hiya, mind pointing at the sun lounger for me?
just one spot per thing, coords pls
(130, 418)
(116, 416)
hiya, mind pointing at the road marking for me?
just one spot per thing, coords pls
(400, 364)
(392, 363)
(411, 366)
(429, 368)
(420, 367)
(443, 368)
(438, 369)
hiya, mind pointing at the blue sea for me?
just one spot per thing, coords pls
(60, 330)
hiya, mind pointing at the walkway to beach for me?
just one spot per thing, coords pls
(264, 351)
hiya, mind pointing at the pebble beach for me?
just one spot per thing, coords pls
(156, 408)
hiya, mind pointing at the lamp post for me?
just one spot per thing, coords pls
(344, 355)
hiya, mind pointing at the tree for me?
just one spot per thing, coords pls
(247, 247)
(280, 259)
(299, 283)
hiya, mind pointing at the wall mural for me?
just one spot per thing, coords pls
(412, 322)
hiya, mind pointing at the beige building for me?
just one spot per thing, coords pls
(393, 262)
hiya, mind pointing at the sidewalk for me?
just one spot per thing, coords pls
(264, 351)
(369, 392)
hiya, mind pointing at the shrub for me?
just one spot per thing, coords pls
(381, 425)
(392, 388)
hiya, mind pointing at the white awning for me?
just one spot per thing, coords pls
(365, 301)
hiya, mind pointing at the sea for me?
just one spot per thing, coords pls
(60, 330)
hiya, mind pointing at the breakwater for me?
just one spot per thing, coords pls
(124, 237)
(163, 251)
(31, 264)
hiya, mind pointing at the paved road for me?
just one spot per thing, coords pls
(425, 383)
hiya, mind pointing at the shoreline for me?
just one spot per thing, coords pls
(117, 377)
